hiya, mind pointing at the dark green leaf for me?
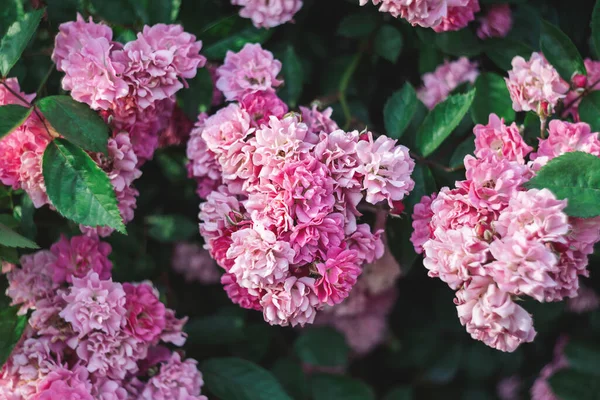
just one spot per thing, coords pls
(323, 347)
(583, 357)
(424, 186)
(492, 98)
(215, 330)
(560, 51)
(399, 110)
(11, 329)
(429, 58)
(466, 147)
(9, 254)
(400, 393)
(357, 25)
(259, 337)
(337, 387)
(388, 43)
(27, 222)
(16, 39)
(10, 11)
(567, 384)
(117, 11)
(236, 41)
(292, 377)
(78, 188)
(458, 43)
(171, 228)
(10, 238)
(589, 110)
(11, 117)
(595, 25)
(198, 96)
(293, 77)
(160, 11)
(237, 379)
(398, 232)
(502, 51)
(574, 176)
(76, 122)
(446, 363)
(441, 121)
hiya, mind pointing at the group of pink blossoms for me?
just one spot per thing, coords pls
(283, 192)
(91, 338)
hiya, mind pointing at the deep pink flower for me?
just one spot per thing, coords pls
(173, 332)
(262, 105)
(338, 274)
(533, 84)
(504, 141)
(176, 380)
(145, 315)
(250, 70)
(79, 255)
(438, 84)
(292, 302)
(312, 239)
(496, 22)
(592, 84)
(64, 383)
(238, 294)
(318, 121)
(268, 13)
(195, 263)
(459, 14)
(421, 222)
(94, 304)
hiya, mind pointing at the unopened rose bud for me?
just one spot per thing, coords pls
(363, 136)
(579, 81)
(544, 109)
(398, 207)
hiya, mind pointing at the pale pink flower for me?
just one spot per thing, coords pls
(565, 137)
(94, 304)
(220, 212)
(337, 150)
(64, 383)
(262, 105)
(492, 317)
(32, 282)
(228, 126)
(268, 13)
(368, 245)
(452, 209)
(250, 70)
(504, 141)
(176, 380)
(508, 388)
(455, 255)
(79, 255)
(587, 300)
(106, 389)
(460, 13)
(146, 126)
(292, 302)
(318, 121)
(438, 84)
(122, 162)
(32, 358)
(145, 314)
(535, 85)
(425, 13)
(496, 22)
(31, 178)
(46, 320)
(203, 162)
(386, 169)
(173, 331)
(337, 275)
(259, 258)
(195, 263)
(381, 274)
(421, 222)
(239, 295)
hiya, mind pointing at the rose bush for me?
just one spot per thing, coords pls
(249, 199)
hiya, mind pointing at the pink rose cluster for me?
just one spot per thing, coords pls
(268, 13)
(133, 86)
(89, 337)
(440, 15)
(590, 83)
(492, 240)
(496, 22)
(438, 85)
(282, 194)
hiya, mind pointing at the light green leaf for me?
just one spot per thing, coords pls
(323, 347)
(441, 121)
(78, 188)
(10, 238)
(11, 329)
(237, 379)
(235, 41)
(399, 111)
(492, 98)
(171, 228)
(589, 110)
(16, 39)
(338, 387)
(357, 25)
(574, 176)
(11, 117)
(293, 75)
(568, 384)
(76, 122)
(560, 51)
(388, 43)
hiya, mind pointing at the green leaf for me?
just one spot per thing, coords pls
(11, 329)
(198, 96)
(337, 387)
(502, 51)
(76, 122)
(171, 228)
(595, 25)
(160, 11)
(429, 58)
(424, 186)
(445, 365)
(10, 11)
(9, 254)
(292, 377)
(388, 43)
(215, 330)
(237, 379)
(398, 232)
(400, 393)
(441, 121)
(399, 110)
(572, 385)
(11, 117)
(357, 25)
(583, 357)
(28, 226)
(236, 41)
(492, 98)
(574, 176)
(16, 39)
(458, 43)
(78, 188)
(589, 110)
(323, 347)
(466, 147)
(10, 238)
(117, 11)
(293, 77)
(560, 51)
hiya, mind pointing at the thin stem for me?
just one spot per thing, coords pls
(582, 94)
(543, 121)
(436, 165)
(344, 82)
(43, 84)
(18, 96)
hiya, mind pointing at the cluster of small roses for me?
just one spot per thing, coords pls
(281, 210)
(89, 337)
(492, 240)
(268, 13)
